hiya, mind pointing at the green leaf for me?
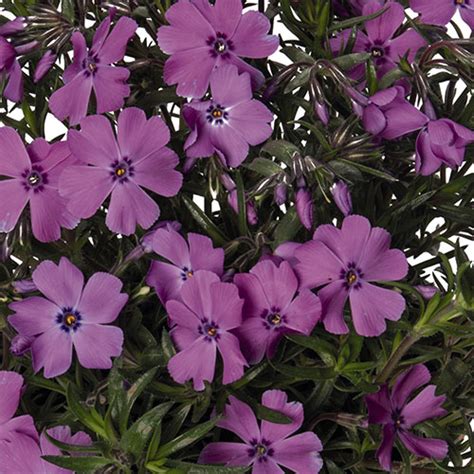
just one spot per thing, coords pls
(369, 170)
(358, 20)
(136, 437)
(281, 149)
(187, 438)
(205, 222)
(265, 413)
(71, 448)
(242, 205)
(264, 167)
(82, 463)
(190, 468)
(288, 227)
(306, 373)
(348, 61)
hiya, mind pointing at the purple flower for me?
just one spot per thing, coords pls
(34, 174)
(11, 385)
(389, 115)
(427, 291)
(120, 167)
(23, 456)
(227, 123)
(304, 205)
(44, 65)
(203, 321)
(269, 445)
(24, 286)
(11, 69)
(342, 197)
(252, 216)
(202, 36)
(386, 50)
(147, 240)
(344, 262)
(185, 259)
(71, 315)
(273, 308)
(441, 142)
(280, 193)
(440, 12)
(398, 416)
(20, 345)
(92, 69)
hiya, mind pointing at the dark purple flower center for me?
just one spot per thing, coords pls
(260, 450)
(69, 319)
(122, 170)
(186, 273)
(34, 179)
(90, 65)
(209, 329)
(216, 114)
(273, 319)
(377, 52)
(398, 419)
(352, 276)
(220, 45)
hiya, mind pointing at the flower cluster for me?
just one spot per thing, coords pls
(225, 242)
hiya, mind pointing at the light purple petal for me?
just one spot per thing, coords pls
(100, 34)
(408, 382)
(10, 390)
(14, 159)
(230, 454)
(304, 312)
(183, 337)
(14, 89)
(55, 358)
(166, 279)
(251, 38)
(240, 419)
(19, 426)
(80, 52)
(203, 255)
(171, 245)
(157, 173)
(114, 46)
(426, 162)
(197, 363)
(402, 119)
(252, 120)
(467, 14)
(424, 406)
(300, 453)
(44, 65)
(384, 452)
(251, 290)
(278, 400)
(355, 233)
(267, 467)
(182, 316)
(383, 27)
(229, 88)
(435, 12)
(72, 99)
(226, 306)
(226, 15)
(409, 42)
(129, 206)
(424, 447)
(23, 456)
(374, 120)
(13, 199)
(229, 144)
(333, 298)
(34, 315)
(95, 345)
(254, 338)
(256, 77)
(110, 87)
(61, 283)
(232, 358)
(101, 300)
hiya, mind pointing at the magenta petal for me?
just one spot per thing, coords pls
(278, 400)
(197, 362)
(333, 298)
(232, 358)
(14, 89)
(157, 173)
(383, 27)
(95, 144)
(13, 199)
(424, 447)
(54, 357)
(110, 87)
(268, 467)
(374, 120)
(304, 312)
(11, 384)
(19, 426)
(183, 337)
(165, 279)
(435, 12)
(129, 206)
(203, 255)
(80, 52)
(240, 419)
(230, 145)
(467, 14)
(72, 99)
(379, 406)
(426, 162)
(171, 245)
(190, 70)
(114, 46)
(251, 290)
(384, 453)
(251, 37)
(409, 42)
(408, 382)
(228, 315)
(226, 16)
(402, 119)
(355, 232)
(255, 338)
(100, 34)
(256, 77)
(317, 264)
(300, 453)
(86, 188)
(61, 283)
(424, 406)
(371, 305)
(181, 315)
(14, 159)
(196, 292)
(34, 315)
(23, 456)
(229, 88)
(95, 345)
(230, 454)
(100, 288)
(252, 120)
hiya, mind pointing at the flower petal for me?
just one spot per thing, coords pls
(34, 315)
(383, 27)
(229, 88)
(171, 245)
(255, 338)
(424, 406)
(11, 384)
(14, 159)
(110, 88)
(379, 406)
(80, 52)
(114, 46)
(182, 316)
(166, 279)
(434, 12)
(384, 452)
(203, 255)
(304, 312)
(408, 382)
(226, 306)
(251, 119)
(240, 420)
(424, 447)
(406, 45)
(333, 298)
(230, 454)
(13, 199)
(232, 358)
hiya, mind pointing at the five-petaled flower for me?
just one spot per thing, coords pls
(71, 315)
(33, 176)
(202, 323)
(273, 308)
(185, 258)
(344, 263)
(93, 69)
(227, 123)
(440, 12)
(270, 445)
(398, 415)
(120, 167)
(202, 36)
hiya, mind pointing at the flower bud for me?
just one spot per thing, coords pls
(44, 65)
(304, 206)
(280, 193)
(427, 291)
(20, 345)
(342, 197)
(24, 286)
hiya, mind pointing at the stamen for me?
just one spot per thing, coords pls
(189, 274)
(92, 67)
(377, 52)
(216, 113)
(351, 278)
(261, 450)
(120, 171)
(212, 331)
(459, 2)
(34, 179)
(275, 319)
(220, 46)
(70, 319)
